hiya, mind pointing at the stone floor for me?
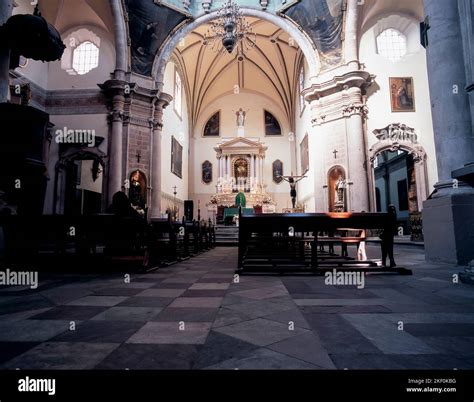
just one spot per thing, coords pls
(193, 316)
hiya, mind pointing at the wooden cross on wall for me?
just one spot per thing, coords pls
(335, 153)
(139, 156)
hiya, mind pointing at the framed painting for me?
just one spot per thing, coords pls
(277, 168)
(207, 172)
(304, 150)
(402, 94)
(176, 158)
(272, 127)
(212, 128)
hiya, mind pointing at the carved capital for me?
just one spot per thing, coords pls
(354, 109)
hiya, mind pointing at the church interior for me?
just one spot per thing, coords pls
(236, 184)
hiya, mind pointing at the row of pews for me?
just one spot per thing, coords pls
(304, 243)
(101, 242)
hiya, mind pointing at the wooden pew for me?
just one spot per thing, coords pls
(282, 243)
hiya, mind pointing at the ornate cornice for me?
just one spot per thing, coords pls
(339, 83)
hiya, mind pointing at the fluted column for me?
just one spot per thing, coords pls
(161, 103)
(6, 9)
(228, 173)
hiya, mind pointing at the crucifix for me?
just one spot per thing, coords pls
(293, 180)
(138, 156)
(335, 153)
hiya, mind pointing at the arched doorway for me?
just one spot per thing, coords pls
(79, 183)
(398, 173)
(395, 184)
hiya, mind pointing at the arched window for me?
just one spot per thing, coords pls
(85, 58)
(82, 52)
(392, 45)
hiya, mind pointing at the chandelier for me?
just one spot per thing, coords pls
(229, 29)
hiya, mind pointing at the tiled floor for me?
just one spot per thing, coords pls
(196, 315)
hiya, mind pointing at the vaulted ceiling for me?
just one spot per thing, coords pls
(271, 68)
(66, 14)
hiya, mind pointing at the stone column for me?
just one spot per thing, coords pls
(120, 36)
(160, 104)
(6, 9)
(449, 98)
(115, 94)
(449, 214)
(351, 42)
(228, 173)
(251, 169)
(357, 177)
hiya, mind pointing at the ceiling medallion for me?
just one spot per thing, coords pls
(229, 29)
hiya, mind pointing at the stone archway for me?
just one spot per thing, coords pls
(400, 137)
(305, 44)
(62, 177)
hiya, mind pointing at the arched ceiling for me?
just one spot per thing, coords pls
(374, 9)
(66, 14)
(271, 69)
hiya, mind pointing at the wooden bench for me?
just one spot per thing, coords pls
(280, 243)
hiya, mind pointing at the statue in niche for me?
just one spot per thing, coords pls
(241, 115)
(340, 187)
(137, 192)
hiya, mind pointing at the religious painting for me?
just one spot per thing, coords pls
(277, 168)
(304, 151)
(322, 21)
(176, 158)
(272, 127)
(212, 128)
(241, 168)
(402, 94)
(207, 172)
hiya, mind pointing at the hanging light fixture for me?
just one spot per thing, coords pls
(229, 29)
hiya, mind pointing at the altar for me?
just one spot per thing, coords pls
(240, 170)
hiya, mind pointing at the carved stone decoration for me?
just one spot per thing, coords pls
(355, 109)
(264, 4)
(206, 5)
(400, 137)
(397, 132)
